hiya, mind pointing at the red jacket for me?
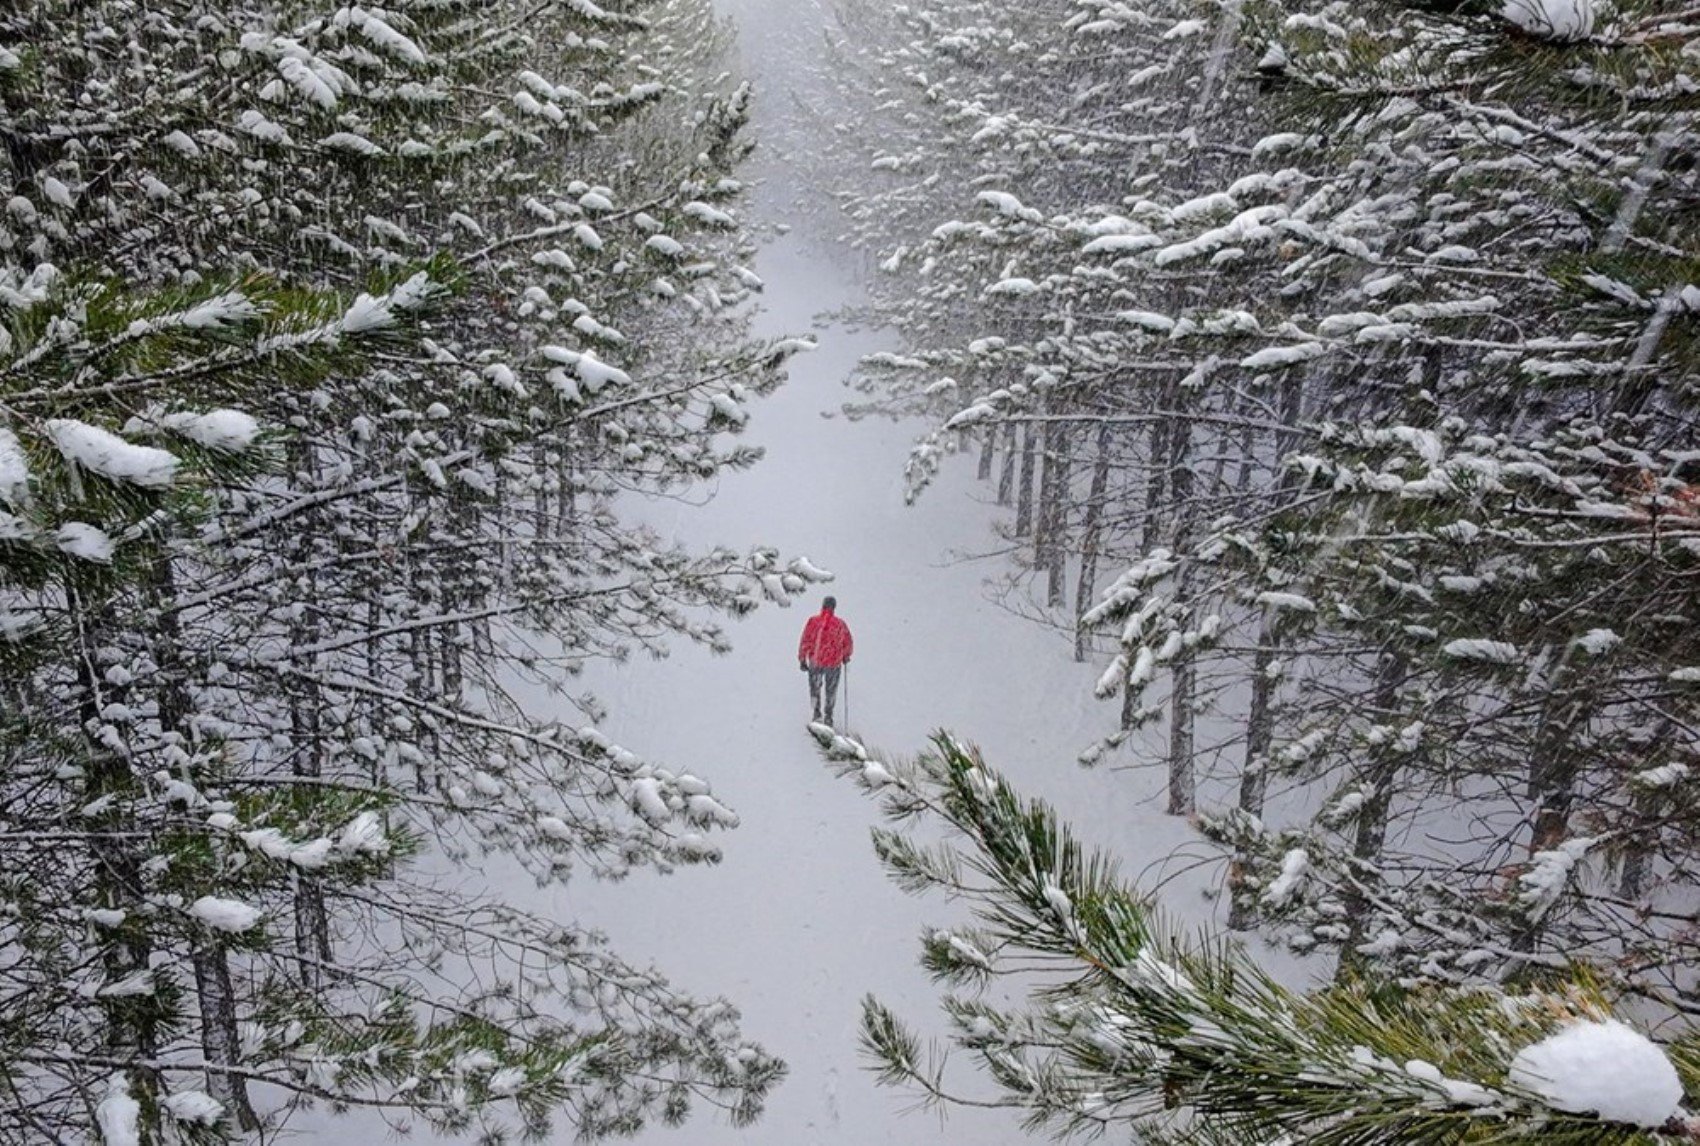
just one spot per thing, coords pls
(826, 641)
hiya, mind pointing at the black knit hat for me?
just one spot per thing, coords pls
(829, 603)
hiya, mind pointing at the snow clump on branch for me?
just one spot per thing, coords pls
(1604, 1068)
(1563, 20)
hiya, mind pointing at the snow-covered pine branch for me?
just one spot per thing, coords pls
(1124, 1026)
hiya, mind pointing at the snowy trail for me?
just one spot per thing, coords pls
(798, 923)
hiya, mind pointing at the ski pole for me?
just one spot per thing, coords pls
(847, 696)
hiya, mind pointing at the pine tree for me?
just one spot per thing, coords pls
(291, 694)
(1412, 271)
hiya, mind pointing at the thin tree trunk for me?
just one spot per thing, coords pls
(1156, 474)
(220, 1035)
(1632, 878)
(1129, 708)
(1054, 512)
(1024, 495)
(1553, 769)
(312, 927)
(221, 1039)
(1090, 541)
(1248, 447)
(1260, 718)
(540, 495)
(1254, 775)
(1380, 778)
(450, 635)
(1552, 780)
(1183, 784)
(1006, 476)
(131, 1024)
(988, 447)
(1044, 516)
(1640, 845)
(1553, 759)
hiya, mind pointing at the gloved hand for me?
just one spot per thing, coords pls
(803, 666)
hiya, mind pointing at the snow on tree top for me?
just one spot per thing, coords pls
(1499, 652)
(88, 542)
(195, 1107)
(224, 914)
(118, 1114)
(1295, 869)
(14, 468)
(1006, 204)
(1562, 20)
(104, 453)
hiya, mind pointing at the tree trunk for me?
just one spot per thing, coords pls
(1128, 710)
(1553, 760)
(221, 1040)
(312, 929)
(1155, 484)
(1378, 782)
(1632, 878)
(1254, 775)
(1183, 784)
(1248, 448)
(131, 1023)
(1044, 516)
(1006, 476)
(540, 495)
(1260, 718)
(1553, 768)
(988, 447)
(220, 1037)
(1090, 540)
(1024, 495)
(1053, 512)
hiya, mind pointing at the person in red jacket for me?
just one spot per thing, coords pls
(822, 653)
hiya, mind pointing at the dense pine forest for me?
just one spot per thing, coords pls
(1330, 369)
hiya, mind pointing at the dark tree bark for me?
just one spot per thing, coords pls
(1156, 484)
(1024, 495)
(1378, 782)
(1006, 476)
(1254, 775)
(1183, 782)
(1091, 529)
(220, 1036)
(1051, 548)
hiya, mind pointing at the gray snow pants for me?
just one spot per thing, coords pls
(829, 678)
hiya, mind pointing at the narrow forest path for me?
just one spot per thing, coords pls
(798, 923)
